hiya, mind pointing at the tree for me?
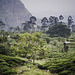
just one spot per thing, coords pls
(59, 30)
(44, 21)
(29, 44)
(56, 20)
(29, 25)
(53, 20)
(11, 29)
(70, 21)
(33, 19)
(61, 18)
(17, 28)
(26, 26)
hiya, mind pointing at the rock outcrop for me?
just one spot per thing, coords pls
(13, 13)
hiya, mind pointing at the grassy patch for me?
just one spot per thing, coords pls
(32, 71)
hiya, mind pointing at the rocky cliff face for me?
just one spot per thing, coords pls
(13, 13)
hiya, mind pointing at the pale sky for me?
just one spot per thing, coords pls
(41, 8)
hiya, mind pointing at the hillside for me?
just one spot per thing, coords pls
(13, 12)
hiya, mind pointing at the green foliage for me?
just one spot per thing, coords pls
(47, 39)
(11, 60)
(36, 46)
(63, 66)
(5, 70)
(29, 45)
(4, 49)
(60, 39)
(3, 39)
(59, 30)
(6, 64)
(4, 46)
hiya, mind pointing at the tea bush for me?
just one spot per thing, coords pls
(63, 66)
(6, 64)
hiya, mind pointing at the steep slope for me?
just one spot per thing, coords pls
(13, 12)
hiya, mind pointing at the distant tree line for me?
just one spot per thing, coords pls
(55, 20)
(46, 24)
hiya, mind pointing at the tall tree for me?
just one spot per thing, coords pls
(44, 21)
(70, 21)
(53, 20)
(29, 25)
(33, 19)
(61, 18)
(56, 20)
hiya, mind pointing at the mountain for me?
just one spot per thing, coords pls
(13, 13)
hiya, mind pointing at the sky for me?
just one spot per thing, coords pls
(45, 8)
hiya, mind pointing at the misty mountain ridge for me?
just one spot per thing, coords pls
(13, 13)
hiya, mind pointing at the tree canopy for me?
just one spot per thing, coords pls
(30, 44)
(59, 30)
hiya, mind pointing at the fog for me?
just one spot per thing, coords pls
(41, 8)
